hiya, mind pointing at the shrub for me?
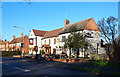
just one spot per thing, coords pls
(57, 56)
(103, 56)
(10, 53)
(98, 56)
(41, 51)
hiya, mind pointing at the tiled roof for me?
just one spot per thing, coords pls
(53, 33)
(39, 32)
(0, 40)
(4, 42)
(81, 25)
(17, 40)
(88, 24)
(92, 25)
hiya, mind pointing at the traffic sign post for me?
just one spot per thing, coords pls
(36, 49)
(21, 52)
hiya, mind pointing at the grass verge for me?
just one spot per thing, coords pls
(95, 67)
(104, 64)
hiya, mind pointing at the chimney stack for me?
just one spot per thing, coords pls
(21, 35)
(66, 22)
(13, 37)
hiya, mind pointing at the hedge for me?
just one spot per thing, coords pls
(10, 53)
(98, 56)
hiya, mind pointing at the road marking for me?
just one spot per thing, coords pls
(23, 60)
(25, 70)
(50, 65)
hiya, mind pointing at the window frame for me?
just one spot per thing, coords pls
(54, 41)
(63, 39)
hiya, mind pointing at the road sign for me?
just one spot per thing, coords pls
(36, 48)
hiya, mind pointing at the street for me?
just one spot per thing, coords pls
(12, 66)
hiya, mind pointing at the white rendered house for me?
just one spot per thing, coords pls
(52, 42)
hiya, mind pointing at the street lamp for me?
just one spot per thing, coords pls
(18, 27)
(22, 37)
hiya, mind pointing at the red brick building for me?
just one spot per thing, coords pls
(20, 44)
(4, 45)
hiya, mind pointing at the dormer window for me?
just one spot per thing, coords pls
(89, 34)
(63, 38)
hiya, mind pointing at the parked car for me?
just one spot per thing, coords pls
(38, 56)
(27, 56)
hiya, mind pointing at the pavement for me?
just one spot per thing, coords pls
(28, 66)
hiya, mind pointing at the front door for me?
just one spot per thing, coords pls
(54, 51)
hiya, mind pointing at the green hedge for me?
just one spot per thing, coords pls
(41, 51)
(10, 53)
(98, 56)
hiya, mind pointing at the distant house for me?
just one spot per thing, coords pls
(4, 45)
(52, 42)
(20, 44)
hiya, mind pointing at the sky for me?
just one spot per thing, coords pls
(61, 0)
(50, 15)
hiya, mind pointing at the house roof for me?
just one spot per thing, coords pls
(0, 41)
(39, 32)
(4, 42)
(88, 24)
(17, 40)
(53, 33)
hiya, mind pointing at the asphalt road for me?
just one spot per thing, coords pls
(13, 66)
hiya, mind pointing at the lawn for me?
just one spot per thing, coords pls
(100, 67)
(104, 64)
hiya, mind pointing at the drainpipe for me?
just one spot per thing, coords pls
(36, 44)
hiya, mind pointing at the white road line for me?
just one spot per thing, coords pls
(25, 70)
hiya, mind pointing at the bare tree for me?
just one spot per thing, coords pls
(109, 30)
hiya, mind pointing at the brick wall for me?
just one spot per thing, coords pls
(26, 44)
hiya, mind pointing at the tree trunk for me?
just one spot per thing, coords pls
(69, 53)
(77, 52)
(114, 57)
(116, 54)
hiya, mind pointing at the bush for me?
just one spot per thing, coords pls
(41, 51)
(10, 53)
(57, 56)
(98, 57)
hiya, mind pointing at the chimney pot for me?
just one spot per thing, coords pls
(21, 34)
(5, 39)
(13, 37)
(66, 22)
